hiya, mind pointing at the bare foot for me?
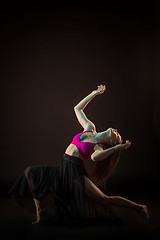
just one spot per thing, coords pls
(41, 214)
(143, 213)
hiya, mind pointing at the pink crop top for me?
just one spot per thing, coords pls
(85, 148)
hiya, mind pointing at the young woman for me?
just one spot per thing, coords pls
(69, 182)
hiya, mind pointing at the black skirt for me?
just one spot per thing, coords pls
(65, 182)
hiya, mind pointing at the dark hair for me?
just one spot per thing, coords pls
(101, 170)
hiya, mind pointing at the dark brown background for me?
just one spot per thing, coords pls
(51, 57)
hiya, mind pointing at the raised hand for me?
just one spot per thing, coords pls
(101, 89)
(124, 146)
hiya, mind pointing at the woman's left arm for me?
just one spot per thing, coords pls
(99, 154)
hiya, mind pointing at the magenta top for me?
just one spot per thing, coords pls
(85, 148)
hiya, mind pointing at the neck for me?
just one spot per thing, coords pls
(102, 137)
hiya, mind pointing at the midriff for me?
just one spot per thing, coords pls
(73, 151)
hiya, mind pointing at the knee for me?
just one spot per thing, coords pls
(28, 171)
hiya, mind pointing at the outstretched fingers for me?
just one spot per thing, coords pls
(101, 88)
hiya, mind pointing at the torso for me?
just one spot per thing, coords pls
(85, 137)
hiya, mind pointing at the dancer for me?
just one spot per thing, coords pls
(69, 182)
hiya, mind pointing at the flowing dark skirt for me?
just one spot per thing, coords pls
(66, 182)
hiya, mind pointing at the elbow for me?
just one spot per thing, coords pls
(94, 158)
(75, 108)
(97, 157)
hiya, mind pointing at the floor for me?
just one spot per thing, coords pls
(16, 221)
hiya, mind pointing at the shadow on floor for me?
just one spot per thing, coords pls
(17, 221)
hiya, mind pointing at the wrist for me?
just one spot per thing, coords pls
(94, 93)
(118, 147)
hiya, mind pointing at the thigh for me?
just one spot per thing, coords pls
(93, 192)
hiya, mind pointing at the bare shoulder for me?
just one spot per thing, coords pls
(98, 147)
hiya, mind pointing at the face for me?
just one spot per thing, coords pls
(115, 137)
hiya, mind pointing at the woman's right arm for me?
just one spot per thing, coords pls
(78, 109)
(81, 116)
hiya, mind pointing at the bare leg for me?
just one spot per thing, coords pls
(97, 195)
(41, 209)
